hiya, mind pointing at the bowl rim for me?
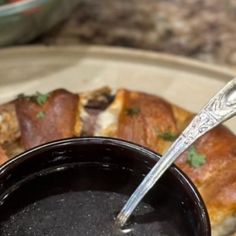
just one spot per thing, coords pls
(175, 171)
(19, 6)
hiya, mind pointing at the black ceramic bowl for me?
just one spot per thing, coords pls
(77, 187)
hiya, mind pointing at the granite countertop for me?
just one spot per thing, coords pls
(201, 29)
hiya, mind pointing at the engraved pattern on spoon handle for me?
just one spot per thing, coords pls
(220, 108)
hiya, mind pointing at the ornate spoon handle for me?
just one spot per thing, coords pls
(220, 108)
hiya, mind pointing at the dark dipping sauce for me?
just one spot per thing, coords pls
(72, 194)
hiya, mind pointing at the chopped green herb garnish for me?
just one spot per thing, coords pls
(41, 115)
(38, 98)
(194, 158)
(167, 136)
(132, 111)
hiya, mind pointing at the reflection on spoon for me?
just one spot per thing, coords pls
(220, 108)
(126, 231)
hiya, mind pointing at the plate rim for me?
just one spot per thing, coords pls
(130, 54)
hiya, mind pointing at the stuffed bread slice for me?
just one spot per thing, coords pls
(138, 117)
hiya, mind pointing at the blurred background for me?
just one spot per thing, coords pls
(200, 29)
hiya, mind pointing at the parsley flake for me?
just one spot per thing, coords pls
(38, 98)
(194, 158)
(40, 115)
(167, 136)
(131, 111)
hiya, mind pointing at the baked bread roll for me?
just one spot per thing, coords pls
(134, 116)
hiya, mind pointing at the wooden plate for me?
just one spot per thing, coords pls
(182, 81)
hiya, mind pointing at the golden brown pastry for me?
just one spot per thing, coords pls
(3, 156)
(44, 118)
(138, 117)
(9, 126)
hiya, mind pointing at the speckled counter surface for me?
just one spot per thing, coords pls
(201, 29)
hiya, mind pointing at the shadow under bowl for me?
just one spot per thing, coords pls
(77, 186)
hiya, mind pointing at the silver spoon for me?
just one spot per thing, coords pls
(220, 108)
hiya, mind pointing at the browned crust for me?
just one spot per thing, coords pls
(3, 156)
(9, 126)
(154, 117)
(58, 121)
